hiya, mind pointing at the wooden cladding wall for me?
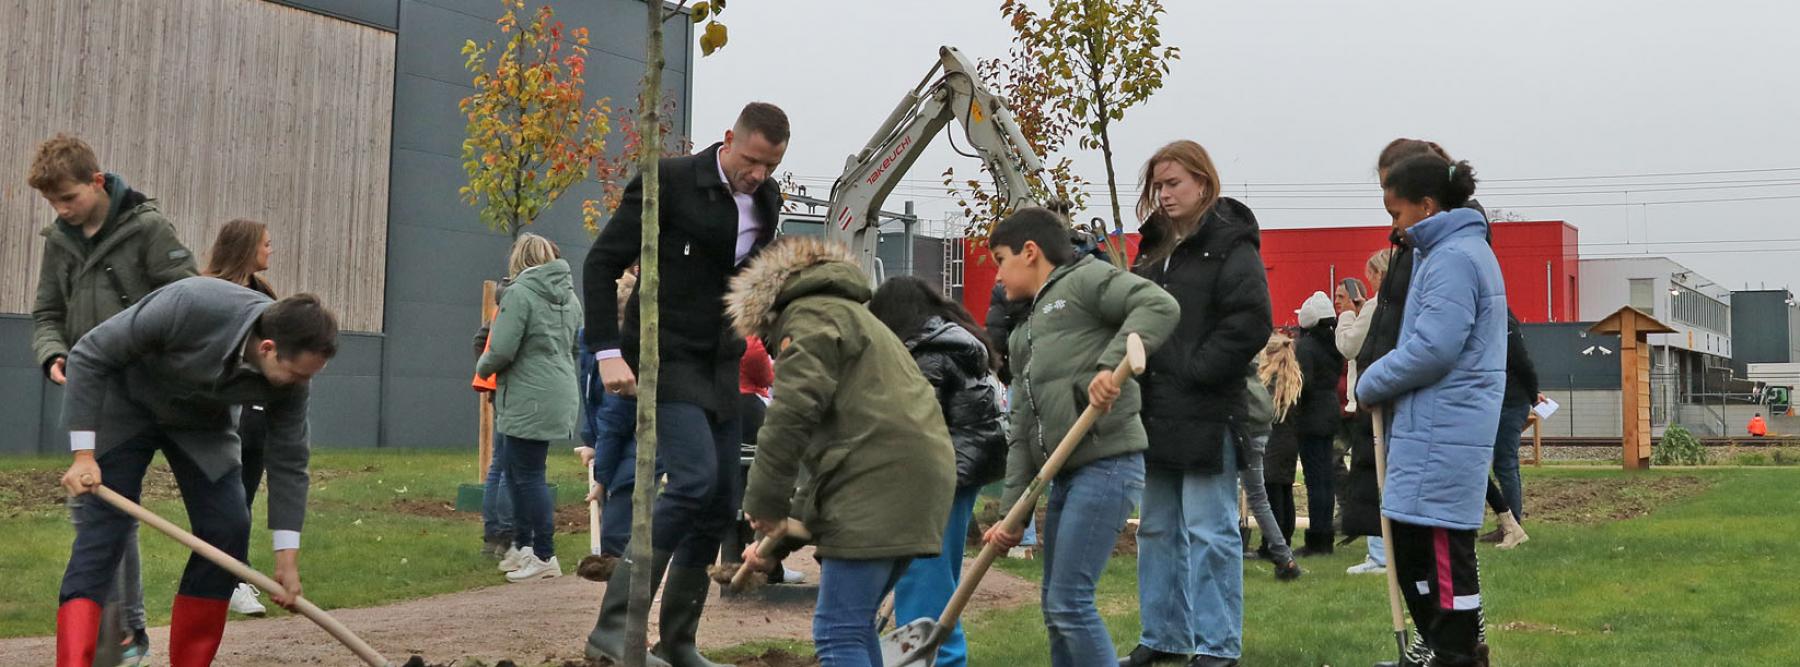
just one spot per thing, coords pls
(219, 109)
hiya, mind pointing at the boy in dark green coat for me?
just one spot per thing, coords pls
(108, 247)
(853, 412)
(1063, 355)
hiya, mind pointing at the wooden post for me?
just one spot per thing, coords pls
(1634, 329)
(484, 448)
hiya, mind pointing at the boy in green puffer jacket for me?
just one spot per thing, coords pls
(1063, 356)
(852, 410)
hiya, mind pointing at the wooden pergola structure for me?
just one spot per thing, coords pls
(1634, 328)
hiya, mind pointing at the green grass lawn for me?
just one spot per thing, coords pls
(1706, 580)
(360, 548)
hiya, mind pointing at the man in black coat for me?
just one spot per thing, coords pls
(719, 207)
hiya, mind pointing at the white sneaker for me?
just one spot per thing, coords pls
(514, 558)
(533, 568)
(243, 601)
(792, 577)
(1367, 567)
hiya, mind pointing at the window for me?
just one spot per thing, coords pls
(1643, 295)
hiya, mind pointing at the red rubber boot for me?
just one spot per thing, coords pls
(77, 628)
(195, 629)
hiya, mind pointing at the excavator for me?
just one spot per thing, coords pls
(871, 173)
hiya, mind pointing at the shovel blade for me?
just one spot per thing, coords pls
(910, 645)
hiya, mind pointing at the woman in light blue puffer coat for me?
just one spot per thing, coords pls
(1441, 387)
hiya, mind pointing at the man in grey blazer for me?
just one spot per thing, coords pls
(169, 374)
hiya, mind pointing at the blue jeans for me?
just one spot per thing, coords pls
(1377, 553)
(929, 582)
(1088, 507)
(700, 456)
(496, 497)
(1506, 456)
(615, 460)
(1191, 561)
(533, 519)
(850, 592)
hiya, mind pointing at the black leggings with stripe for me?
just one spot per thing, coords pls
(1441, 582)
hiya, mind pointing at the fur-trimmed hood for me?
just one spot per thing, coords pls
(791, 268)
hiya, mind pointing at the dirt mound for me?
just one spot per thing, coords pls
(1591, 500)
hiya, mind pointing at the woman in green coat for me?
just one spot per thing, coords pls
(531, 347)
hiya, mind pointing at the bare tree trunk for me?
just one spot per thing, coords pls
(637, 626)
(1112, 180)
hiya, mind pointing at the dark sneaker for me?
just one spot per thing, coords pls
(1144, 656)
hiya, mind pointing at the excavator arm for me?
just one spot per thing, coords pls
(871, 174)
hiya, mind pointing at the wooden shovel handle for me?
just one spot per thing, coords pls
(1015, 518)
(1387, 527)
(593, 515)
(766, 548)
(242, 571)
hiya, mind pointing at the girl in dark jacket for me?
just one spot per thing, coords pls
(1322, 366)
(241, 254)
(959, 362)
(1204, 250)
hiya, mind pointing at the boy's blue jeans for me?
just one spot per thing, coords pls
(1191, 562)
(850, 593)
(1087, 509)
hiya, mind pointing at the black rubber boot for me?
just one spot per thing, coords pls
(608, 638)
(684, 598)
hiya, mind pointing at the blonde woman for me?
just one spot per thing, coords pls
(531, 349)
(1204, 249)
(1353, 330)
(1272, 389)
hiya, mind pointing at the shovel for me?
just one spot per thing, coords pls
(736, 577)
(916, 644)
(1387, 535)
(242, 571)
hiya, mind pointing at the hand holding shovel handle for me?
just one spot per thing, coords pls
(242, 571)
(767, 547)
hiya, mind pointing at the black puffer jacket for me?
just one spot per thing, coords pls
(1194, 386)
(1002, 316)
(1521, 374)
(956, 364)
(1321, 366)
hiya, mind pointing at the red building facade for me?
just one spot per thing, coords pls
(1538, 258)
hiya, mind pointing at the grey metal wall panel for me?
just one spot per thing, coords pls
(1557, 351)
(21, 392)
(439, 251)
(1761, 328)
(345, 405)
(384, 14)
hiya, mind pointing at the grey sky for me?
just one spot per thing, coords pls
(1294, 99)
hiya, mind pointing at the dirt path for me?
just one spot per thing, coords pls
(531, 623)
